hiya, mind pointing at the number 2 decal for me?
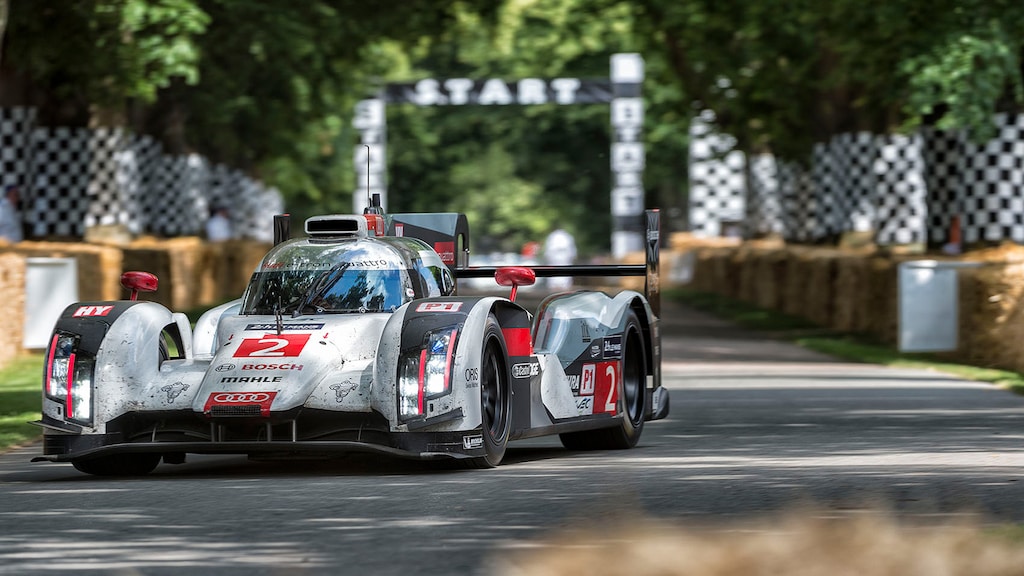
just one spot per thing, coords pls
(601, 380)
(272, 346)
(609, 403)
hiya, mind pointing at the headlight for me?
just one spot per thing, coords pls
(68, 378)
(425, 372)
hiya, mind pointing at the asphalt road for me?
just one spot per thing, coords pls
(757, 427)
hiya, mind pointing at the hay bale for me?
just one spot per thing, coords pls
(12, 293)
(991, 323)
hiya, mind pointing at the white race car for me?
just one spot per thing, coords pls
(354, 339)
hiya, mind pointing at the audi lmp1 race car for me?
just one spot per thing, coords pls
(354, 339)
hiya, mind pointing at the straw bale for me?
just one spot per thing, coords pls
(769, 277)
(12, 294)
(683, 241)
(991, 301)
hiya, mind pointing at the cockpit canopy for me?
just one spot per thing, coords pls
(309, 276)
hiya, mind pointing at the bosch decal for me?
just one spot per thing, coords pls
(286, 366)
(525, 370)
(612, 348)
(84, 311)
(224, 368)
(272, 345)
(439, 307)
(286, 326)
(250, 379)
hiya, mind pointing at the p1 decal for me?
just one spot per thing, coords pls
(601, 380)
(439, 307)
(92, 311)
(272, 346)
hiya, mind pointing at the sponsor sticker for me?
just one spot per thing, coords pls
(611, 348)
(261, 399)
(525, 370)
(588, 379)
(250, 379)
(574, 384)
(85, 311)
(285, 366)
(272, 345)
(595, 351)
(585, 405)
(472, 442)
(472, 377)
(286, 326)
(224, 368)
(446, 250)
(439, 307)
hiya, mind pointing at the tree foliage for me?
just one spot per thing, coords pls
(269, 85)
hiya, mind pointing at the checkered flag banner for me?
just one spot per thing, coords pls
(73, 179)
(907, 189)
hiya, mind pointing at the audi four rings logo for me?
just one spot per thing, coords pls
(241, 397)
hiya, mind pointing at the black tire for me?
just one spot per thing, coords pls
(119, 465)
(632, 399)
(495, 400)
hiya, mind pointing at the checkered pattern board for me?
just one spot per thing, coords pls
(907, 188)
(15, 139)
(717, 187)
(74, 179)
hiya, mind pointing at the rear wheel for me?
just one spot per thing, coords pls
(494, 397)
(119, 465)
(632, 398)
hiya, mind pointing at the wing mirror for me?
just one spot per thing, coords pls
(515, 276)
(139, 282)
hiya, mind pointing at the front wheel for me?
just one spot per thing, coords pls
(119, 465)
(632, 398)
(495, 401)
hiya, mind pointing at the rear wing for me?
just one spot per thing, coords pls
(649, 269)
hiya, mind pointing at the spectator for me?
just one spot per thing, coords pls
(10, 216)
(218, 227)
(560, 250)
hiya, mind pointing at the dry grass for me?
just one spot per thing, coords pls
(797, 545)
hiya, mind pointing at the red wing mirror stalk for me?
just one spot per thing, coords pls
(139, 282)
(515, 276)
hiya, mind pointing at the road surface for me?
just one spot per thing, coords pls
(757, 427)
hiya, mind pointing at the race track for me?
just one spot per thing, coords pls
(757, 427)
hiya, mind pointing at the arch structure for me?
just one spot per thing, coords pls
(622, 90)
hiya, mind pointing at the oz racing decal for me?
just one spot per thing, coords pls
(272, 346)
(599, 388)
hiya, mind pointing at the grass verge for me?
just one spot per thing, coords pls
(20, 399)
(846, 346)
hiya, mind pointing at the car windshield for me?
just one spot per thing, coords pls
(303, 279)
